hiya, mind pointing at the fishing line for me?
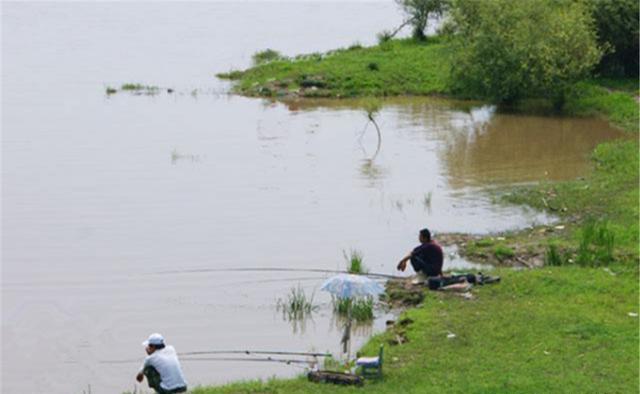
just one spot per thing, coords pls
(273, 269)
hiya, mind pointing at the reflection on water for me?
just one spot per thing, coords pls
(372, 171)
(490, 147)
(481, 146)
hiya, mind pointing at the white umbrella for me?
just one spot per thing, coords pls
(349, 285)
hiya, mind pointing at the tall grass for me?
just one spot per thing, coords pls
(361, 307)
(297, 305)
(554, 258)
(597, 244)
(354, 260)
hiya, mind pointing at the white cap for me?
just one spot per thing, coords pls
(154, 339)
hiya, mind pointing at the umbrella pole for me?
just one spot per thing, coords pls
(349, 336)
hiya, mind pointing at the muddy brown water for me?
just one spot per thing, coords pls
(101, 194)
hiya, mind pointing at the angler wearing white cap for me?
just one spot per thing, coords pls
(161, 367)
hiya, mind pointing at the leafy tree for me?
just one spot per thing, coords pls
(419, 12)
(617, 24)
(507, 50)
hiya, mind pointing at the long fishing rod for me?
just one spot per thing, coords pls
(247, 352)
(274, 269)
(264, 359)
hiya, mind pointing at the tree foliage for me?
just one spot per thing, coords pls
(419, 11)
(617, 28)
(507, 50)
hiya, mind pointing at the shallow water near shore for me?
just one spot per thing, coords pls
(120, 213)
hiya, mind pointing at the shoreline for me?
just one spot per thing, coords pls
(551, 324)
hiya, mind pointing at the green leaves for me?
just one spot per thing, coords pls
(508, 50)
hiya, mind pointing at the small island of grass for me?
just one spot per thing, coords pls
(394, 67)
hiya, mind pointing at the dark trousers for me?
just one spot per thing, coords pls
(420, 265)
(154, 379)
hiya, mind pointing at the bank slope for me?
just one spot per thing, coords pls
(560, 330)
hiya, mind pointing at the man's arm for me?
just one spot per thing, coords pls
(140, 374)
(402, 265)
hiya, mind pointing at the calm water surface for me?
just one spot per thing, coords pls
(103, 195)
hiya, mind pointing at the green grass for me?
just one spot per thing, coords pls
(597, 244)
(394, 67)
(629, 85)
(609, 194)
(555, 257)
(503, 252)
(596, 98)
(355, 264)
(560, 330)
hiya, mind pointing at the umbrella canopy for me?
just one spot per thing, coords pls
(348, 286)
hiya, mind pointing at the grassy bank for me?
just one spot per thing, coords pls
(561, 330)
(392, 68)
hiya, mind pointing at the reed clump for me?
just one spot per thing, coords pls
(355, 264)
(359, 308)
(297, 305)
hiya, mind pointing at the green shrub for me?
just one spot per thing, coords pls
(507, 50)
(266, 56)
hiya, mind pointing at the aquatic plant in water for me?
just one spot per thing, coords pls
(354, 259)
(297, 305)
(360, 308)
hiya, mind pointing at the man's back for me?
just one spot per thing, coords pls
(165, 361)
(431, 257)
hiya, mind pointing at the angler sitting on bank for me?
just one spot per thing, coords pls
(426, 259)
(161, 367)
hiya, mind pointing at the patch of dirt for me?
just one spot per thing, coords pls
(397, 330)
(401, 293)
(525, 248)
